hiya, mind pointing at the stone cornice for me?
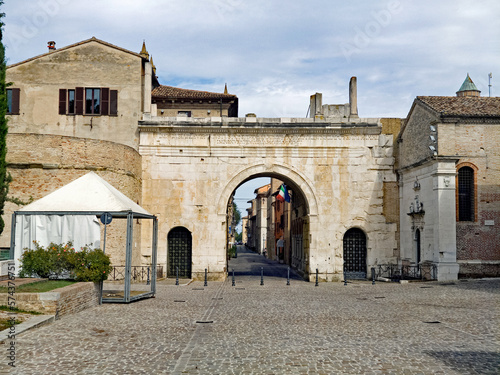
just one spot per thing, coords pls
(260, 128)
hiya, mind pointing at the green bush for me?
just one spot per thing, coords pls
(62, 261)
(52, 262)
(91, 265)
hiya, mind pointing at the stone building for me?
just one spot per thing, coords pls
(74, 110)
(449, 163)
(95, 106)
(261, 226)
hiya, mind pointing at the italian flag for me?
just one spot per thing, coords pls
(283, 195)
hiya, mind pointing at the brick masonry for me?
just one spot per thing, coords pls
(40, 164)
(67, 300)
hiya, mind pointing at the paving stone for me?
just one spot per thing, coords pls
(276, 329)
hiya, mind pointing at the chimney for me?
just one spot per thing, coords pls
(353, 97)
(51, 45)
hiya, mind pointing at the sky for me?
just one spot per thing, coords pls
(274, 54)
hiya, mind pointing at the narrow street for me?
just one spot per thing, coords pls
(248, 264)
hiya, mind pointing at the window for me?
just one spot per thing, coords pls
(13, 101)
(88, 101)
(184, 113)
(71, 102)
(92, 101)
(466, 194)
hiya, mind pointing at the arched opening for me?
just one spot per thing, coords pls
(418, 246)
(466, 194)
(273, 227)
(179, 253)
(355, 254)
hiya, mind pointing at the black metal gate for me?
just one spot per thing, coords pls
(355, 254)
(179, 252)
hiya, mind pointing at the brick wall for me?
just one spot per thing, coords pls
(68, 300)
(476, 241)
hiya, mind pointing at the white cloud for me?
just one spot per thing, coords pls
(275, 54)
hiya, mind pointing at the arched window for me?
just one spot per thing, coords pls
(466, 194)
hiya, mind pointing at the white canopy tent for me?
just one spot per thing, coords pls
(70, 214)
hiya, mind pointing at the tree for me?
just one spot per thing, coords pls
(5, 177)
(236, 215)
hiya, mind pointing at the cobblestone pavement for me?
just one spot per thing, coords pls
(387, 328)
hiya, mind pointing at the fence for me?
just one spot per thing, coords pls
(137, 273)
(397, 272)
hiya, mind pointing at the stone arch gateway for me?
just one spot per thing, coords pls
(192, 166)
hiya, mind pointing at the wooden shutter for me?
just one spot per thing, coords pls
(62, 101)
(15, 101)
(113, 102)
(104, 101)
(79, 101)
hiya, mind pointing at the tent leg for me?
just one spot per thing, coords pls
(128, 256)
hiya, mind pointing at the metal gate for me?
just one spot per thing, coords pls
(355, 254)
(179, 252)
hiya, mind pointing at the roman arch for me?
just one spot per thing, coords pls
(191, 167)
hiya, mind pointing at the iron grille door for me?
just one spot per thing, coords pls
(179, 252)
(355, 254)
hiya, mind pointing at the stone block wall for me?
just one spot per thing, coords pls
(415, 141)
(40, 164)
(68, 300)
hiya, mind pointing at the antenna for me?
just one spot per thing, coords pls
(489, 84)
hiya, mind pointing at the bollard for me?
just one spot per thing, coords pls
(261, 275)
(288, 277)
(373, 275)
(148, 281)
(176, 275)
(205, 283)
(233, 284)
(345, 276)
(316, 278)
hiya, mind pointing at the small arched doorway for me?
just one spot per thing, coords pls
(179, 252)
(417, 240)
(355, 253)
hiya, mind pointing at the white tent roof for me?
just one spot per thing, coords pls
(87, 193)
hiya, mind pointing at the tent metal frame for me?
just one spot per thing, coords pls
(130, 216)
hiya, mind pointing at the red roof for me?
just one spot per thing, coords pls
(169, 92)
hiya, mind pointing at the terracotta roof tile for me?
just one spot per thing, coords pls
(169, 92)
(463, 106)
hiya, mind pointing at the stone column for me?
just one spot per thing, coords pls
(445, 243)
(353, 97)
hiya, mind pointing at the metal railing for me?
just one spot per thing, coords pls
(137, 273)
(398, 272)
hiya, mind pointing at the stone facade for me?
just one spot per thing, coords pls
(339, 169)
(67, 300)
(442, 135)
(50, 143)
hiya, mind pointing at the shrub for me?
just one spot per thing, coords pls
(91, 265)
(52, 262)
(62, 261)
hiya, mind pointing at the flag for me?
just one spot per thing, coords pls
(283, 195)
